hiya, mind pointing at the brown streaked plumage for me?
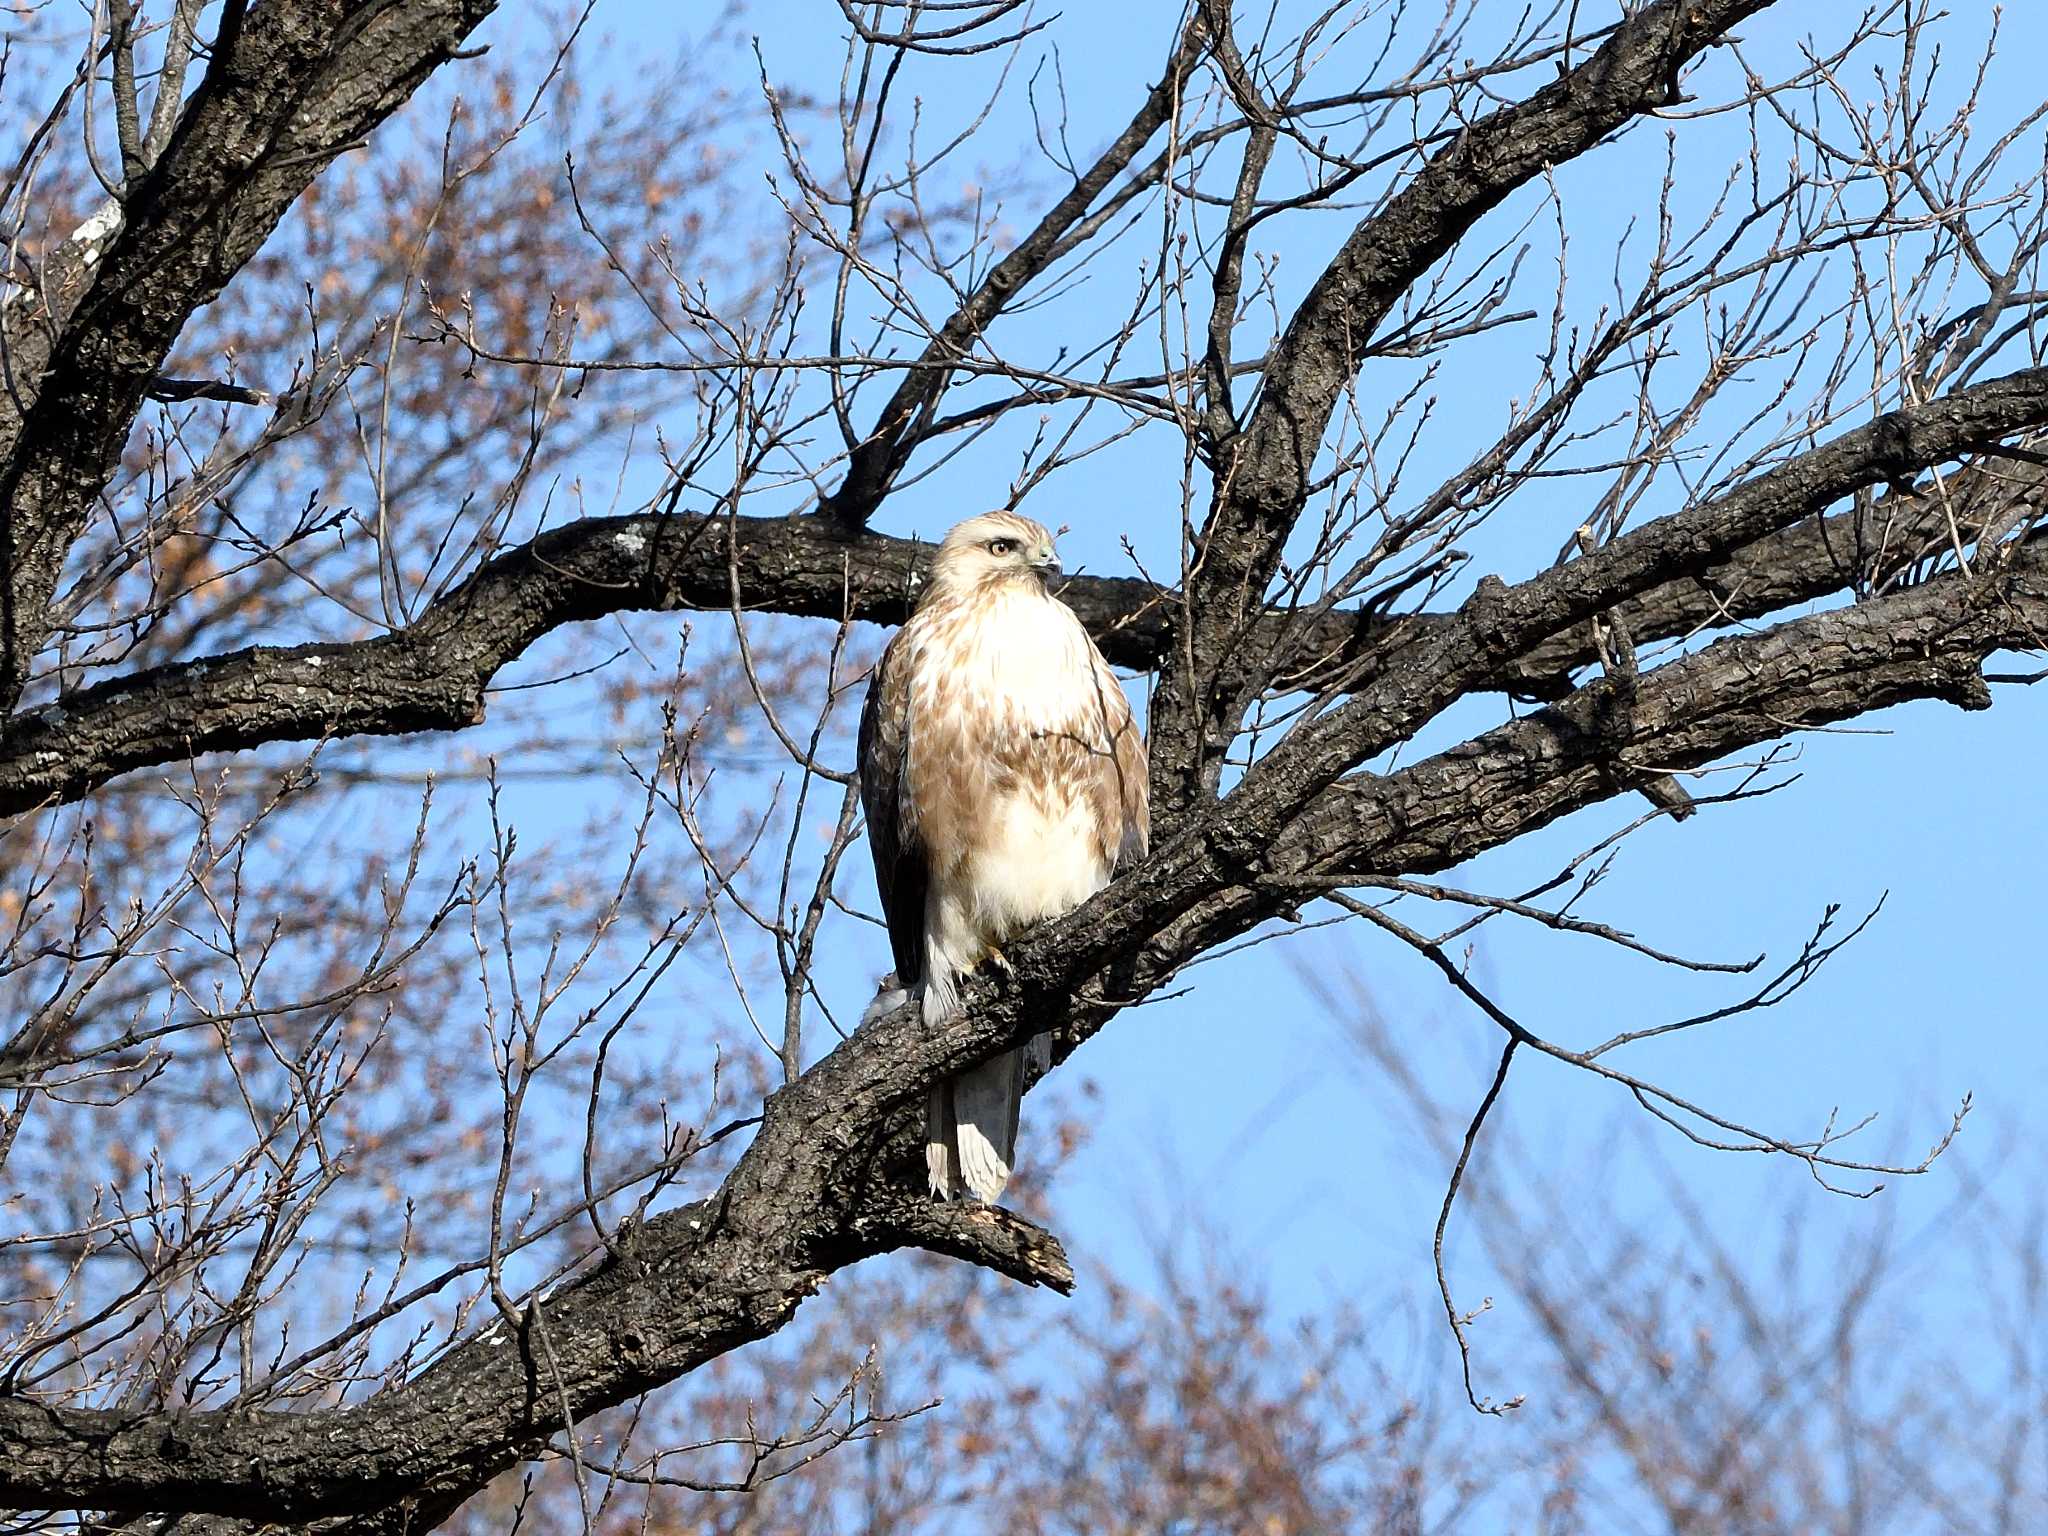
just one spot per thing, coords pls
(1004, 781)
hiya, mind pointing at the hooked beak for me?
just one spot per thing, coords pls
(1049, 569)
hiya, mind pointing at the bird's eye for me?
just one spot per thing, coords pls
(1002, 546)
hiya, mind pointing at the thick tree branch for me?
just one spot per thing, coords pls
(292, 83)
(434, 675)
(1262, 474)
(1411, 679)
(1927, 643)
(1869, 546)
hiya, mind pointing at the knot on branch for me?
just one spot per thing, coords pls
(1485, 611)
(1960, 681)
(1893, 453)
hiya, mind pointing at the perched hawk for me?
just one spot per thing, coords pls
(1004, 781)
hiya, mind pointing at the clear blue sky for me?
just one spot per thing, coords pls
(1240, 1110)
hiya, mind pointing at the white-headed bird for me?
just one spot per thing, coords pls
(1004, 781)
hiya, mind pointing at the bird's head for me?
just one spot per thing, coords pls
(993, 548)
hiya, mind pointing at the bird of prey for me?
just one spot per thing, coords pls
(1004, 781)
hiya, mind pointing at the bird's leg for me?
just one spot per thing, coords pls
(995, 956)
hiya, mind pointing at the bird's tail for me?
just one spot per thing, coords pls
(971, 1123)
